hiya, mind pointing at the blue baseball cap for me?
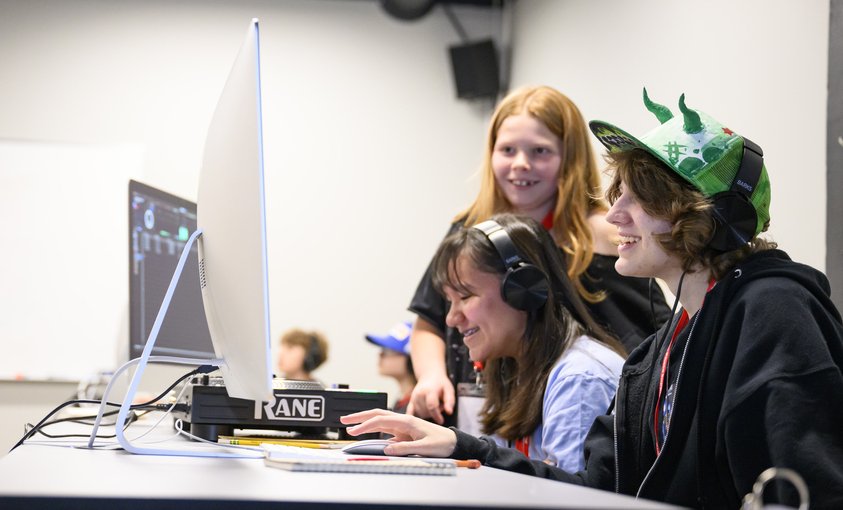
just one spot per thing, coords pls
(398, 338)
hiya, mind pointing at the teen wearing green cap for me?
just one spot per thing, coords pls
(746, 377)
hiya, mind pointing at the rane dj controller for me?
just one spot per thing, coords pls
(304, 407)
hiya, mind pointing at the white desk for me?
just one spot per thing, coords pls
(36, 476)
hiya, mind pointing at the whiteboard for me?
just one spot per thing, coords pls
(64, 257)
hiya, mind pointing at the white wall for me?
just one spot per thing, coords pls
(758, 66)
(368, 153)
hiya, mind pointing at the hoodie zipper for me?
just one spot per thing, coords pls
(676, 392)
(617, 468)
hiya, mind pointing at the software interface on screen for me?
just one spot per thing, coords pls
(159, 226)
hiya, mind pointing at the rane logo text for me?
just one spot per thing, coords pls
(293, 407)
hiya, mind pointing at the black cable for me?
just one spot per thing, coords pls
(80, 419)
(131, 418)
(204, 369)
(661, 342)
(652, 307)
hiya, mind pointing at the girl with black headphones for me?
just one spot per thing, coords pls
(549, 368)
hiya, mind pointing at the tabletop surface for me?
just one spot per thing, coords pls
(43, 469)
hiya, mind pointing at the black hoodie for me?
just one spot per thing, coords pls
(760, 386)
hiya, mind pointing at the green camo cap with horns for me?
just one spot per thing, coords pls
(703, 151)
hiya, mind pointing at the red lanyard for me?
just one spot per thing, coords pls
(683, 321)
(523, 445)
(547, 222)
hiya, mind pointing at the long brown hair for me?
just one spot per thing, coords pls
(662, 193)
(515, 389)
(579, 179)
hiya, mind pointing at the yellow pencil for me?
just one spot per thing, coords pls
(258, 442)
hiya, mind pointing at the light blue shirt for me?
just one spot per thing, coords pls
(580, 387)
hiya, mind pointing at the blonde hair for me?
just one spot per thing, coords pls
(579, 179)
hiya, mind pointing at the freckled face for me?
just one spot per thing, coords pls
(639, 253)
(491, 328)
(526, 160)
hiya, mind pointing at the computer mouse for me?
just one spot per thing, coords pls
(368, 447)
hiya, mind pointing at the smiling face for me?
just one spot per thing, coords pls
(526, 160)
(491, 328)
(639, 253)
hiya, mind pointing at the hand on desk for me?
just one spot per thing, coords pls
(414, 435)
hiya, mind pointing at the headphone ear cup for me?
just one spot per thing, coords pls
(525, 288)
(735, 221)
(311, 356)
(308, 362)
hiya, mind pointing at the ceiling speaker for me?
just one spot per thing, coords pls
(407, 9)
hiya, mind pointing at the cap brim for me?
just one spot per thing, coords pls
(617, 140)
(386, 341)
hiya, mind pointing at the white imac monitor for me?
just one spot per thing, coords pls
(231, 232)
(231, 215)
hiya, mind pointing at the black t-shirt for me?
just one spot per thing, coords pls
(625, 312)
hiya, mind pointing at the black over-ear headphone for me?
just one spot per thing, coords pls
(524, 286)
(735, 217)
(311, 357)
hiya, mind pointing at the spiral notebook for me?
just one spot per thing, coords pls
(293, 458)
(380, 466)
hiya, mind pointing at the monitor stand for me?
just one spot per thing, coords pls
(143, 361)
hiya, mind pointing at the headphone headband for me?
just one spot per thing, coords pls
(500, 239)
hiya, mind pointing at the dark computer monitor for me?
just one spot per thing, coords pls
(159, 226)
